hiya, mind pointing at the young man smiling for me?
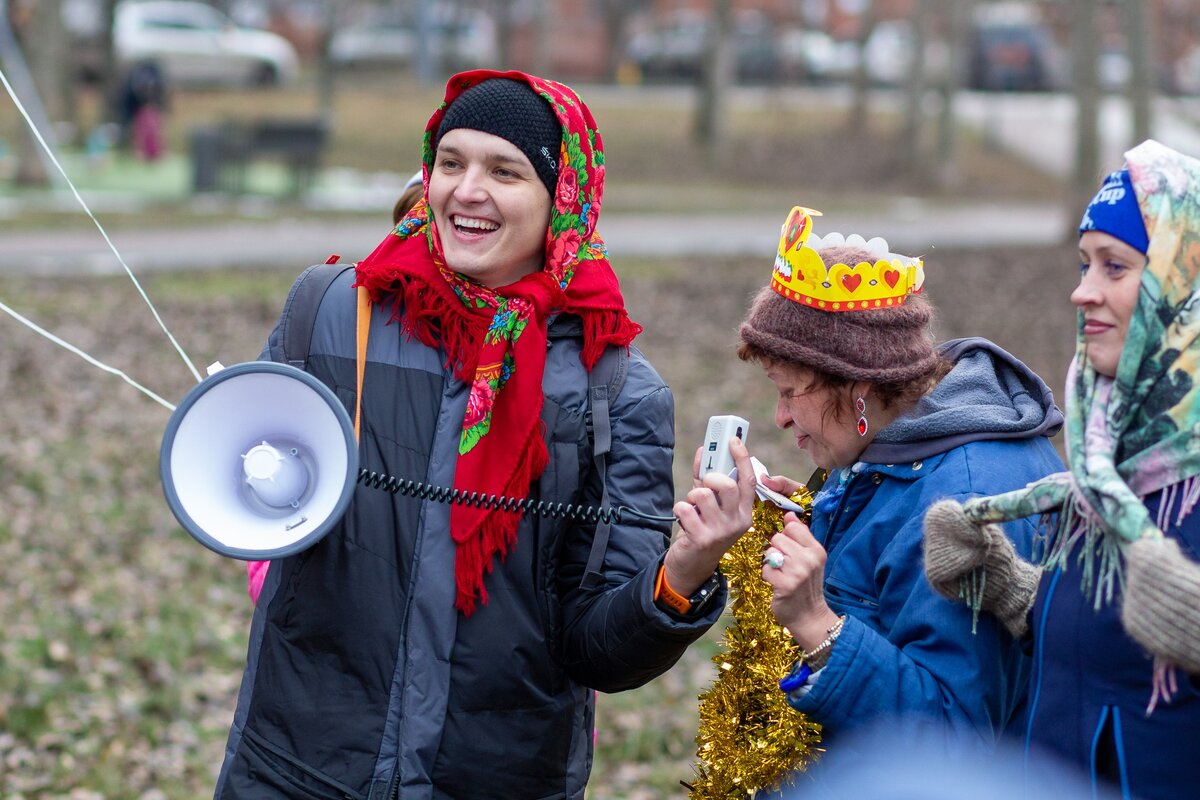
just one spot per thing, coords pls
(428, 650)
(497, 208)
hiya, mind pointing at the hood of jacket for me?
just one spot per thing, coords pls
(988, 394)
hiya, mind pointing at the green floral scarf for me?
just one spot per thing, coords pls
(1139, 432)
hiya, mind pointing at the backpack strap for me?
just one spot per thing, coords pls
(362, 329)
(300, 310)
(604, 384)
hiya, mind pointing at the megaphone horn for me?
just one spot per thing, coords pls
(259, 461)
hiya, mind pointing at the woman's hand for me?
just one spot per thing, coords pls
(798, 583)
(715, 514)
(782, 484)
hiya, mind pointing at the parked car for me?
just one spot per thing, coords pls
(1184, 76)
(1011, 50)
(889, 50)
(677, 51)
(1113, 69)
(194, 43)
(457, 39)
(814, 56)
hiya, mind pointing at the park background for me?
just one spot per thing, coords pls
(122, 640)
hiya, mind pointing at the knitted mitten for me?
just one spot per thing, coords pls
(1161, 602)
(955, 547)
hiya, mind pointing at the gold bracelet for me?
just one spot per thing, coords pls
(818, 657)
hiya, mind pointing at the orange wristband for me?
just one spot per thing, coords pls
(669, 597)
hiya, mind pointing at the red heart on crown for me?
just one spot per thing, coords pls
(851, 282)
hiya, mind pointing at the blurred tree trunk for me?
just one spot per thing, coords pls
(716, 84)
(543, 37)
(44, 42)
(109, 79)
(617, 14)
(1142, 63)
(502, 13)
(326, 93)
(956, 16)
(1086, 87)
(424, 56)
(860, 105)
(914, 88)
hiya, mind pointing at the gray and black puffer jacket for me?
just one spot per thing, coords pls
(362, 679)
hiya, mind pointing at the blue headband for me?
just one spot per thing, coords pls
(1114, 210)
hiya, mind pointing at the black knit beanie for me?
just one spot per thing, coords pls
(515, 112)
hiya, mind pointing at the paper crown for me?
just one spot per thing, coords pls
(800, 274)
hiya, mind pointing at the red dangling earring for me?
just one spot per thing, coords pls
(860, 405)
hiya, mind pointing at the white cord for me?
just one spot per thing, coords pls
(34, 327)
(37, 134)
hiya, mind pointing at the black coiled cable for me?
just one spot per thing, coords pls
(442, 494)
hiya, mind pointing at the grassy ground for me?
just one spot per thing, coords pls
(121, 640)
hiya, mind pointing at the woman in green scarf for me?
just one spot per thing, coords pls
(1111, 608)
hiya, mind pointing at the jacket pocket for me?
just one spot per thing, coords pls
(266, 765)
(847, 595)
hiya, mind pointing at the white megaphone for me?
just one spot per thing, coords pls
(259, 461)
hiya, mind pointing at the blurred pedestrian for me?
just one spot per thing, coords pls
(142, 105)
(844, 335)
(1116, 640)
(430, 650)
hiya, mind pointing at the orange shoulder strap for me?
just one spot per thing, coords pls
(364, 328)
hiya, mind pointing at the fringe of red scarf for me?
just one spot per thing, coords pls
(600, 329)
(497, 533)
(435, 315)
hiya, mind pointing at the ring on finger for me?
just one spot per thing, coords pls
(774, 559)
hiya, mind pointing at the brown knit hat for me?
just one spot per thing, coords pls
(843, 306)
(885, 345)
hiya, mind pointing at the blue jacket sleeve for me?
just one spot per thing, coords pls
(922, 667)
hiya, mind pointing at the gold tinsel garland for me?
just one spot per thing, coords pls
(750, 739)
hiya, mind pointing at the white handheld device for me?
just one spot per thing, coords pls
(716, 456)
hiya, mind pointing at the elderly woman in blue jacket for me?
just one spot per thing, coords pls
(844, 335)
(1113, 596)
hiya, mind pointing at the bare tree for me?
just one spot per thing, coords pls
(956, 16)
(859, 106)
(716, 84)
(914, 89)
(543, 36)
(617, 15)
(331, 13)
(1141, 86)
(44, 42)
(502, 13)
(106, 59)
(1086, 87)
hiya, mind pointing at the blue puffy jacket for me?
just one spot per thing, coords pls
(906, 656)
(1092, 685)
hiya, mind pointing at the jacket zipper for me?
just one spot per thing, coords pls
(837, 512)
(1038, 657)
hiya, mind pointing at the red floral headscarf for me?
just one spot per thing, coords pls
(495, 340)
